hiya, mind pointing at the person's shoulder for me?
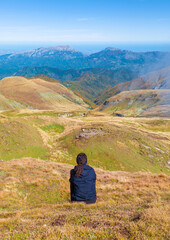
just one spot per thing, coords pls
(72, 171)
(89, 167)
(86, 166)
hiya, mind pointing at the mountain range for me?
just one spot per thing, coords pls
(55, 77)
(65, 57)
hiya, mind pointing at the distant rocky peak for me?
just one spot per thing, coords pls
(49, 51)
(58, 48)
(118, 50)
(112, 49)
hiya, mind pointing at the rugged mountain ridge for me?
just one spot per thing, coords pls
(65, 51)
(65, 57)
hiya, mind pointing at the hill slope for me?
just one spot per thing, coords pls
(34, 203)
(127, 144)
(146, 103)
(93, 81)
(154, 80)
(35, 194)
(38, 94)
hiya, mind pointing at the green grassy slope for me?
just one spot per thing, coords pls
(110, 143)
(134, 103)
(20, 139)
(119, 148)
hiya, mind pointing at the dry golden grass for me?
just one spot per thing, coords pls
(39, 94)
(35, 204)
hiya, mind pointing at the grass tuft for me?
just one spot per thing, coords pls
(54, 127)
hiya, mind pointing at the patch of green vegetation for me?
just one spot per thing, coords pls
(134, 105)
(54, 127)
(44, 113)
(20, 236)
(19, 139)
(63, 138)
(53, 192)
(10, 113)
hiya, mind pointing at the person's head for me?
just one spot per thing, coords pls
(81, 160)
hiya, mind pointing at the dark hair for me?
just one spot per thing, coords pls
(81, 160)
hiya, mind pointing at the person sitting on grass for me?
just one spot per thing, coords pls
(83, 181)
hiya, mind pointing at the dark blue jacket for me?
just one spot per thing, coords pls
(83, 188)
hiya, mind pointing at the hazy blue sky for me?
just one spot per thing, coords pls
(86, 21)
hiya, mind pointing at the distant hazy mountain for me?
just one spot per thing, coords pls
(73, 74)
(114, 58)
(61, 57)
(65, 57)
(65, 52)
(58, 74)
(3, 52)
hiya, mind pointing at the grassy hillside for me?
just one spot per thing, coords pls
(38, 94)
(20, 138)
(119, 146)
(8, 104)
(79, 94)
(111, 143)
(147, 103)
(35, 204)
(34, 186)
